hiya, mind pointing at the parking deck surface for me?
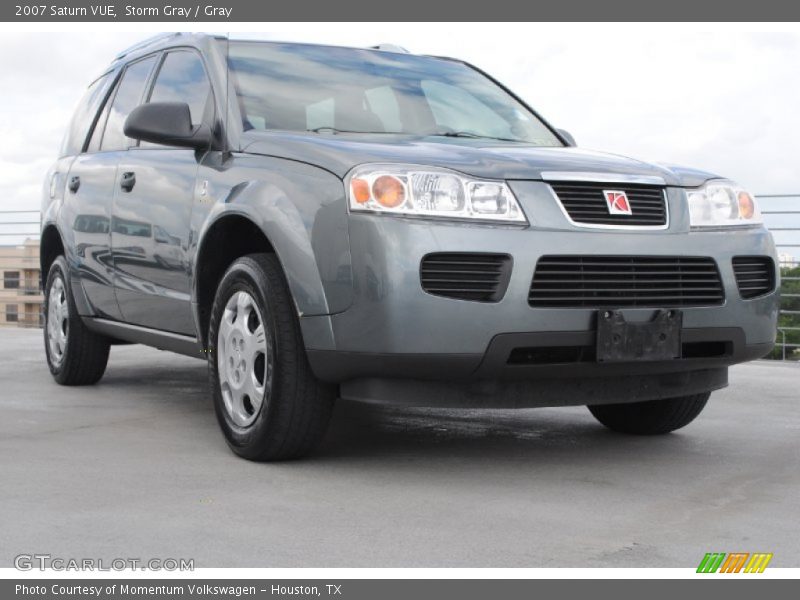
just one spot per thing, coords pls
(135, 467)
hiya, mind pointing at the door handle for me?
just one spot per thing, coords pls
(128, 181)
(74, 184)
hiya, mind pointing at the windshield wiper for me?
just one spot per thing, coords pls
(473, 135)
(454, 134)
(327, 129)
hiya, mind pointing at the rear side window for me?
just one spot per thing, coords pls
(182, 78)
(127, 97)
(84, 116)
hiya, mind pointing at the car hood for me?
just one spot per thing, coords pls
(338, 153)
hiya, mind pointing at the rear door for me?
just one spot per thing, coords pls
(152, 208)
(90, 183)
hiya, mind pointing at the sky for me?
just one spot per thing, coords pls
(721, 99)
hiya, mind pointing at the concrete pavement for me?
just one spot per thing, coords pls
(136, 467)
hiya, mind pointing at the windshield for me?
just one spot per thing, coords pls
(325, 89)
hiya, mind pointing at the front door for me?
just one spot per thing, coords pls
(150, 236)
(90, 189)
(152, 210)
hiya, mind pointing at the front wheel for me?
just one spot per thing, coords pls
(266, 398)
(653, 417)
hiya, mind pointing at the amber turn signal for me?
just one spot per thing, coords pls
(360, 190)
(747, 208)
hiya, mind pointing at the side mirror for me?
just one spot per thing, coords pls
(567, 137)
(167, 123)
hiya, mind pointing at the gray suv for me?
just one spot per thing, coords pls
(320, 222)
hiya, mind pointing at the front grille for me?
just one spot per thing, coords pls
(479, 277)
(586, 204)
(625, 281)
(755, 275)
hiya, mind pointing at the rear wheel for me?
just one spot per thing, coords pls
(267, 400)
(75, 355)
(653, 417)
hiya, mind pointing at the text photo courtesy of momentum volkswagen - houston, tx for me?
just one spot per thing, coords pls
(293, 308)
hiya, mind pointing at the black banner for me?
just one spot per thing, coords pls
(731, 588)
(194, 11)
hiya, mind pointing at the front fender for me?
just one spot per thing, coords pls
(302, 212)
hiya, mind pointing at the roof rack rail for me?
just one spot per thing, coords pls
(144, 43)
(390, 48)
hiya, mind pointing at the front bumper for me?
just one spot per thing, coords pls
(394, 329)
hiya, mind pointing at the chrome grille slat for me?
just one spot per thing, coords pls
(585, 204)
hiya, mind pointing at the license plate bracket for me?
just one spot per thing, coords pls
(621, 341)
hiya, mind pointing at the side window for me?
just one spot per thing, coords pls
(182, 78)
(83, 117)
(127, 97)
(99, 127)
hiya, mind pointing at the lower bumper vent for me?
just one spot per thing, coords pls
(480, 277)
(755, 275)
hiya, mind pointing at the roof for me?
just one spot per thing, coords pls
(170, 39)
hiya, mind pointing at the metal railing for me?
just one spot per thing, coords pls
(778, 218)
(26, 224)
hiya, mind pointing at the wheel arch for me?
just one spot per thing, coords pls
(234, 233)
(51, 245)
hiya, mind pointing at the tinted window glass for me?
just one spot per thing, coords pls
(83, 117)
(128, 96)
(456, 109)
(318, 115)
(100, 125)
(298, 87)
(182, 78)
(383, 102)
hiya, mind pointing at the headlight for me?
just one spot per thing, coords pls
(430, 192)
(722, 204)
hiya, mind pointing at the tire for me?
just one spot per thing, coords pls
(266, 398)
(75, 355)
(654, 417)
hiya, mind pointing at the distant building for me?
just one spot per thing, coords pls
(20, 293)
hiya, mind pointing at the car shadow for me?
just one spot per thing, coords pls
(361, 431)
(375, 430)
